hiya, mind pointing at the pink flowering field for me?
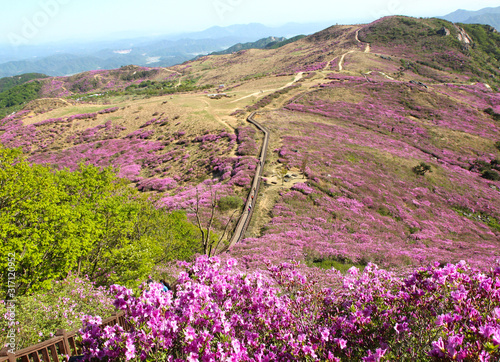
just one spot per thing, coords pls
(219, 313)
(360, 201)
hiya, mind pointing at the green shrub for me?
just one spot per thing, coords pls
(491, 112)
(62, 306)
(384, 211)
(421, 169)
(229, 203)
(491, 175)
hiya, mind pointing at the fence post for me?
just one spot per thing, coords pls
(4, 352)
(65, 343)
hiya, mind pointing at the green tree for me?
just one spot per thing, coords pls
(421, 169)
(86, 222)
(282, 172)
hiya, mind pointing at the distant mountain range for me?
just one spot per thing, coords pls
(163, 51)
(489, 16)
(66, 59)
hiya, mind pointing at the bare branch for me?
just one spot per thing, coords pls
(197, 212)
(225, 230)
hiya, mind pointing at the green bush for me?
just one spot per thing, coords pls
(421, 169)
(491, 175)
(491, 112)
(11, 100)
(62, 306)
(229, 203)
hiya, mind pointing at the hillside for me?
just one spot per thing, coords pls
(10, 82)
(259, 44)
(397, 92)
(384, 147)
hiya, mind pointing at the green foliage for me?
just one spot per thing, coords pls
(427, 45)
(486, 39)
(259, 44)
(400, 30)
(384, 211)
(490, 175)
(483, 217)
(13, 98)
(154, 88)
(138, 74)
(341, 265)
(421, 169)
(282, 172)
(254, 76)
(10, 82)
(86, 222)
(229, 203)
(60, 307)
(491, 112)
(338, 262)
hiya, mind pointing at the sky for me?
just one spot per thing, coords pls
(35, 22)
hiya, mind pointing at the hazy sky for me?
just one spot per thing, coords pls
(40, 21)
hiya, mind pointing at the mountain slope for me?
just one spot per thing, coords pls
(259, 44)
(460, 16)
(388, 134)
(10, 82)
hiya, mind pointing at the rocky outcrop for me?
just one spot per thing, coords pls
(443, 31)
(463, 36)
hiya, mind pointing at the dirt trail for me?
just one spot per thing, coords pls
(328, 64)
(298, 77)
(252, 95)
(216, 116)
(176, 72)
(173, 71)
(367, 48)
(388, 77)
(341, 61)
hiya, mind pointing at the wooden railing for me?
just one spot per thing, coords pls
(64, 343)
(246, 215)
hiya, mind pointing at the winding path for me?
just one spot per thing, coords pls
(342, 59)
(367, 50)
(246, 216)
(296, 79)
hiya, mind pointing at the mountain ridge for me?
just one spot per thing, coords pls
(488, 16)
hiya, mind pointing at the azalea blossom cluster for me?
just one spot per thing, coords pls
(246, 140)
(220, 314)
